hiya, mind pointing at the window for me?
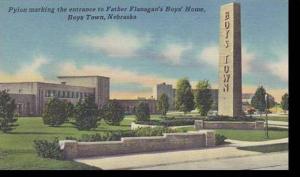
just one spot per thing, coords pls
(58, 94)
(77, 94)
(73, 94)
(63, 94)
(68, 94)
(48, 93)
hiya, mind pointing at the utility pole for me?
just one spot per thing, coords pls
(266, 111)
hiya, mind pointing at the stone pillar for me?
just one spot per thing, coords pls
(69, 148)
(230, 79)
(199, 124)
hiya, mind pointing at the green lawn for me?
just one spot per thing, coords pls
(278, 118)
(16, 147)
(247, 135)
(252, 135)
(17, 152)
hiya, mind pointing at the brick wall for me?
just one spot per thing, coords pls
(170, 141)
(200, 124)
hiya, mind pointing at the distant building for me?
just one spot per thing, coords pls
(31, 97)
(167, 89)
(246, 98)
(130, 104)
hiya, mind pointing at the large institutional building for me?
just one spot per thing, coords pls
(31, 97)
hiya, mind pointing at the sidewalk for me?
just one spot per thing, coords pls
(170, 158)
(237, 143)
(164, 158)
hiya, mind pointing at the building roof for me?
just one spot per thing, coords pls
(81, 76)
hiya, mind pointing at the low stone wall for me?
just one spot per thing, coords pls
(200, 124)
(135, 126)
(170, 141)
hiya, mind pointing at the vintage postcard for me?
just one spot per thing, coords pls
(144, 85)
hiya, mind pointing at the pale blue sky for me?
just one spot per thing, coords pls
(155, 46)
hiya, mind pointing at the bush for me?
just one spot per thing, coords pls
(69, 110)
(86, 114)
(7, 108)
(55, 112)
(157, 131)
(170, 122)
(112, 113)
(142, 112)
(220, 139)
(48, 149)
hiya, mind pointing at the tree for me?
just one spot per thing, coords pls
(7, 108)
(142, 112)
(163, 104)
(184, 96)
(258, 100)
(203, 98)
(55, 112)
(271, 101)
(86, 114)
(113, 113)
(285, 102)
(69, 110)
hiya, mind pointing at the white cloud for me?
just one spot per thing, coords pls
(27, 73)
(279, 68)
(173, 52)
(116, 43)
(117, 75)
(210, 56)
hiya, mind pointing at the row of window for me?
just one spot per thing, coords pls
(66, 94)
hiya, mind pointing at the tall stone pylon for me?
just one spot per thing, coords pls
(230, 70)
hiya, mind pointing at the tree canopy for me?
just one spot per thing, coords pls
(184, 96)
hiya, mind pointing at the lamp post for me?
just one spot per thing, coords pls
(266, 111)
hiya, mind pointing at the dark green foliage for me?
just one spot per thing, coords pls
(116, 136)
(228, 118)
(86, 114)
(69, 110)
(48, 149)
(285, 102)
(203, 99)
(220, 139)
(170, 122)
(55, 112)
(163, 104)
(157, 131)
(113, 113)
(258, 100)
(184, 96)
(7, 108)
(142, 112)
(271, 101)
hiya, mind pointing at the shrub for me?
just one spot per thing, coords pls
(113, 113)
(220, 139)
(69, 110)
(142, 112)
(86, 114)
(170, 122)
(7, 108)
(157, 131)
(55, 112)
(48, 149)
